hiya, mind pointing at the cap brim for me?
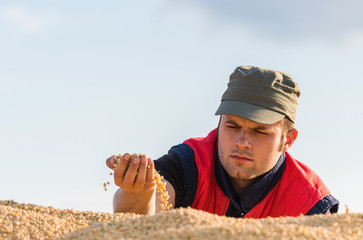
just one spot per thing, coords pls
(249, 111)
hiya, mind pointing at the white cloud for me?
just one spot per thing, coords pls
(22, 19)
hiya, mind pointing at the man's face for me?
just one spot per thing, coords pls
(248, 149)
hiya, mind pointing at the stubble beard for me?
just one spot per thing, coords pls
(246, 174)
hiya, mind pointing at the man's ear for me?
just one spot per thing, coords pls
(290, 139)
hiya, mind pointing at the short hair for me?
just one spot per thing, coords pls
(287, 125)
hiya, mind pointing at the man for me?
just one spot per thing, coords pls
(242, 168)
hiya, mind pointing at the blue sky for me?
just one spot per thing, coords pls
(83, 80)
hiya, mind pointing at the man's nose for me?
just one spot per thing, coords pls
(243, 140)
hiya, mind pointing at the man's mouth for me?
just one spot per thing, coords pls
(241, 158)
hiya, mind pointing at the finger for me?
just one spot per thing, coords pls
(149, 182)
(131, 173)
(121, 169)
(111, 161)
(118, 159)
(141, 175)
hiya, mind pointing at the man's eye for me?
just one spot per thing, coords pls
(232, 126)
(260, 132)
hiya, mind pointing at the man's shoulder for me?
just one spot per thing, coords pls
(302, 171)
(314, 184)
(183, 150)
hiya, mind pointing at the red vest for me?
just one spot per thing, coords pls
(297, 191)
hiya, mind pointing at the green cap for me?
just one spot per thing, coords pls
(261, 95)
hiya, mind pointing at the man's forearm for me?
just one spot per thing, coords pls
(142, 203)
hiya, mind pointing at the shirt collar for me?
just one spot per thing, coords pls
(254, 193)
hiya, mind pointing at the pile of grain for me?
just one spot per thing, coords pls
(27, 221)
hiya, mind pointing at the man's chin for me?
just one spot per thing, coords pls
(248, 176)
(240, 175)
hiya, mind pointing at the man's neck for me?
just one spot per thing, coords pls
(238, 184)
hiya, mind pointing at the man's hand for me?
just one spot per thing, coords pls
(134, 174)
(135, 177)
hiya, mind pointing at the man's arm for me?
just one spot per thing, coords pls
(328, 204)
(137, 192)
(139, 203)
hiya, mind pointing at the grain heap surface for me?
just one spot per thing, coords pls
(193, 224)
(27, 221)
